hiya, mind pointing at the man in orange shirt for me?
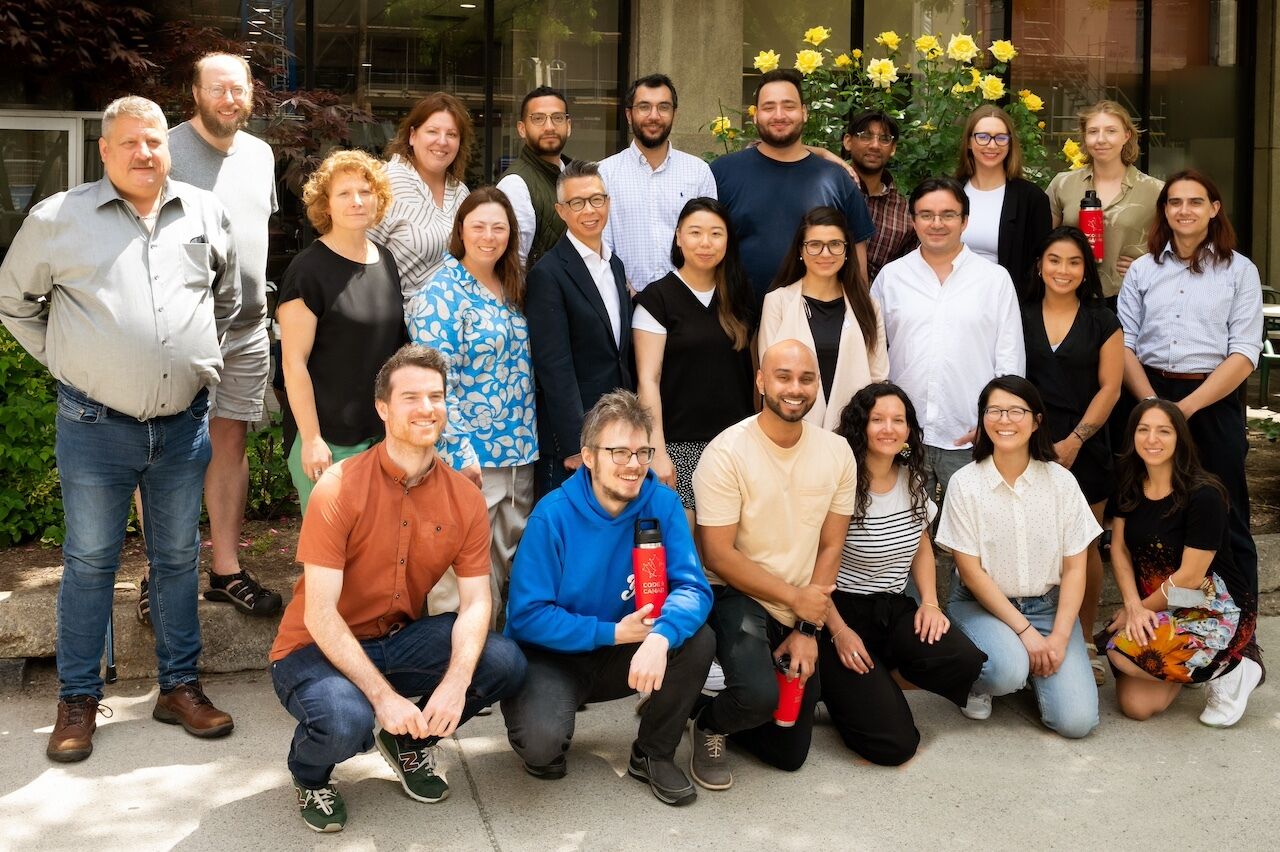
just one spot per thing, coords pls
(380, 530)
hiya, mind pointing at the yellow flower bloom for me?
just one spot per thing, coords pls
(816, 35)
(882, 72)
(889, 39)
(1040, 124)
(856, 53)
(992, 87)
(975, 79)
(927, 127)
(1077, 162)
(1003, 50)
(843, 61)
(766, 61)
(721, 126)
(1030, 100)
(929, 46)
(808, 61)
(962, 48)
(1071, 149)
(751, 111)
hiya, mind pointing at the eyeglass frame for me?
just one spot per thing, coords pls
(948, 217)
(219, 92)
(613, 454)
(583, 202)
(829, 245)
(991, 137)
(1006, 413)
(539, 119)
(868, 136)
(644, 108)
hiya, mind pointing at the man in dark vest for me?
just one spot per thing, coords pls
(530, 182)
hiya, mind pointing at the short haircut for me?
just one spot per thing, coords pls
(197, 70)
(651, 81)
(939, 184)
(134, 106)
(542, 92)
(781, 75)
(577, 169)
(409, 355)
(315, 195)
(965, 166)
(868, 117)
(1130, 152)
(1041, 445)
(619, 405)
(424, 109)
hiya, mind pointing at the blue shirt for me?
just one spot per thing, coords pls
(1184, 322)
(767, 199)
(490, 383)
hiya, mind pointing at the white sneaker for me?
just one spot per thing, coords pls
(1227, 696)
(715, 680)
(978, 707)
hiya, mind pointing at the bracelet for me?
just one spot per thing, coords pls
(1078, 435)
(1023, 630)
(938, 608)
(837, 633)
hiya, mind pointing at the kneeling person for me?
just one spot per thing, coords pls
(571, 606)
(380, 529)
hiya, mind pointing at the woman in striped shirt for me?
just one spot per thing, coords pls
(875, 629)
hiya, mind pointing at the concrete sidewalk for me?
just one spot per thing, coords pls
(1002, 784)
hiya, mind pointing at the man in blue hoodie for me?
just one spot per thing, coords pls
(572, 609)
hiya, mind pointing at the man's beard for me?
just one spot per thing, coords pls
(648, 141)
(775, 405)
(549, 143)
(767, 137)
(219, 127)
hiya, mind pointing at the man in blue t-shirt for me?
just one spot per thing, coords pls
(769, 188)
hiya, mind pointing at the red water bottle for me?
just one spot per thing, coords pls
(1091, 222)
(790, 694)
(649, 564)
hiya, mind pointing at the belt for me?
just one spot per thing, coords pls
(1182, 377)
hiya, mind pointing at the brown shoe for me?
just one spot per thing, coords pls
(72, 737)
(189, 707)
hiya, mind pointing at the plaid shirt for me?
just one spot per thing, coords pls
(895, 235)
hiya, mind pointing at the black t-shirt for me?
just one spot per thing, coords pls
(359, 325)
(826, 322)
(705, 385)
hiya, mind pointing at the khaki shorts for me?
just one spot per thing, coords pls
(239, 395)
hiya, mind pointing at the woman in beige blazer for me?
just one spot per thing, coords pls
(820, 299)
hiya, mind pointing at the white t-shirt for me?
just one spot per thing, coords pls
(878, 550)
(642, 320)
(982, 234)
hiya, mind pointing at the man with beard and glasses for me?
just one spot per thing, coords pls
(530, 182)
(774, 495)
(871, 140)
(650, 182)
(213, 152)
(769, 188)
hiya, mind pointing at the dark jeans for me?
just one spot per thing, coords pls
(540, 718)
(745, 638)
(869, 710)
(335, 719)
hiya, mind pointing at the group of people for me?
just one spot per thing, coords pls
(801, 379)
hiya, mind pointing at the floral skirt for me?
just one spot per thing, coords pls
(1191, 645)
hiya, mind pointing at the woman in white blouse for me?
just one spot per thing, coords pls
(427, 166)
(1018, 528)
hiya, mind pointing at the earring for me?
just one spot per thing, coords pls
(905, 452)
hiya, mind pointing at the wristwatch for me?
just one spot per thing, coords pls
(807, 628)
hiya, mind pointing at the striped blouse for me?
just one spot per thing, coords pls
(415, 230)
(878, 552)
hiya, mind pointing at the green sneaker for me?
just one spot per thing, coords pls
(322, 809)
(415, 767)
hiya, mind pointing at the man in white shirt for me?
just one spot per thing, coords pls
(952, 324)
(650, 182)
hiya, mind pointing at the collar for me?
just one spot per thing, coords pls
(586, 252)
(172, 191)
(527, 154)
(993, 480)
(886, 186)
(644, 161)
(1128, 180)
(397, 473)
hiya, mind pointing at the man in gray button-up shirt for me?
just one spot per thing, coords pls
(125, 288)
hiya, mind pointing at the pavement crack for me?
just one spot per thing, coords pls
(475, 795)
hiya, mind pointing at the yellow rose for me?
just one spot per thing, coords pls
(1031, 100)
(962, 48)
(1071, 149)
(975, 79)
(751, 111)
(816, 35)
(992, 87)
(1002, 50)
(889, 39)
(856, 53)
(766, 61)
(927, 127)
(1040, 124)
(721, 126)
(808, 61)
(929, 46)
(1078, 162)
(843, 61)
(882, 72)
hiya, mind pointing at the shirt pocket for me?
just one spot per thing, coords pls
(812, 505)
(194, 261)
(435, 541)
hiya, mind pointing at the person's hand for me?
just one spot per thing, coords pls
(804, 655)
(1122, 264)
(472, 472)
(852, 653)
(1057, 650)
(634, 627)
(967, 437)
(664, 469)
(1039, 653)
(1066, 450)
(649, 664)
(573, 462)
(316, 457)
(399, 716)
(810, 602)
(444, 709)
(931, 624)
(1187, 407)
(1140, 623)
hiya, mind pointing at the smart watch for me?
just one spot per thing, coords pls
(807, 628)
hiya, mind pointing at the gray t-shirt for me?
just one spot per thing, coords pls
(244, 180)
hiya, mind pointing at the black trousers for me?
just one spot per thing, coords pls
(869, 710)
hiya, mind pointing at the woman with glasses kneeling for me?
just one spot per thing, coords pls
(873, 626)
(1018, 528)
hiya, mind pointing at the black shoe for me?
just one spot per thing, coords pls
(553, 771)
(668, 783)
(243, 591)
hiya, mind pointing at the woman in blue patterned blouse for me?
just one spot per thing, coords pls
(471, 310)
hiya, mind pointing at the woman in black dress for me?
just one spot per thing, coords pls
(1075, 358)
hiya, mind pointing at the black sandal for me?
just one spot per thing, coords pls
(144, 603)
(246, 593)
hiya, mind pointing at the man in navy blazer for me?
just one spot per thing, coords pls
(579, 314)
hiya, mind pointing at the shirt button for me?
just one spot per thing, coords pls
(401, 561)
(397, 597)
(162, 405)
(160, 310)
(155, 277)
(404, 523)
(437, 529)
(164, 376)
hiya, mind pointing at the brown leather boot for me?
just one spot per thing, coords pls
(72, 737)
(189, 707)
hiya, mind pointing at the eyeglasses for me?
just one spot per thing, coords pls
(868, 136)
(664, 108)
(1014, 414)
(947, 216)
(538, 119)
(576, 204)
(815, 247)
(622, 455)
(1001, 139)
(220, 92)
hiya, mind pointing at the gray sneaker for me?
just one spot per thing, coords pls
(707, 763)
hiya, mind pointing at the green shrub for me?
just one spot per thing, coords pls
(271, 492)
(30, 496)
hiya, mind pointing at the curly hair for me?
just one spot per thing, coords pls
(424, 109)
(853, 428)
(316, 192)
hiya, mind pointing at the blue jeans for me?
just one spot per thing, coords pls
(1068, 698)
(103, 455)
(335, 719)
